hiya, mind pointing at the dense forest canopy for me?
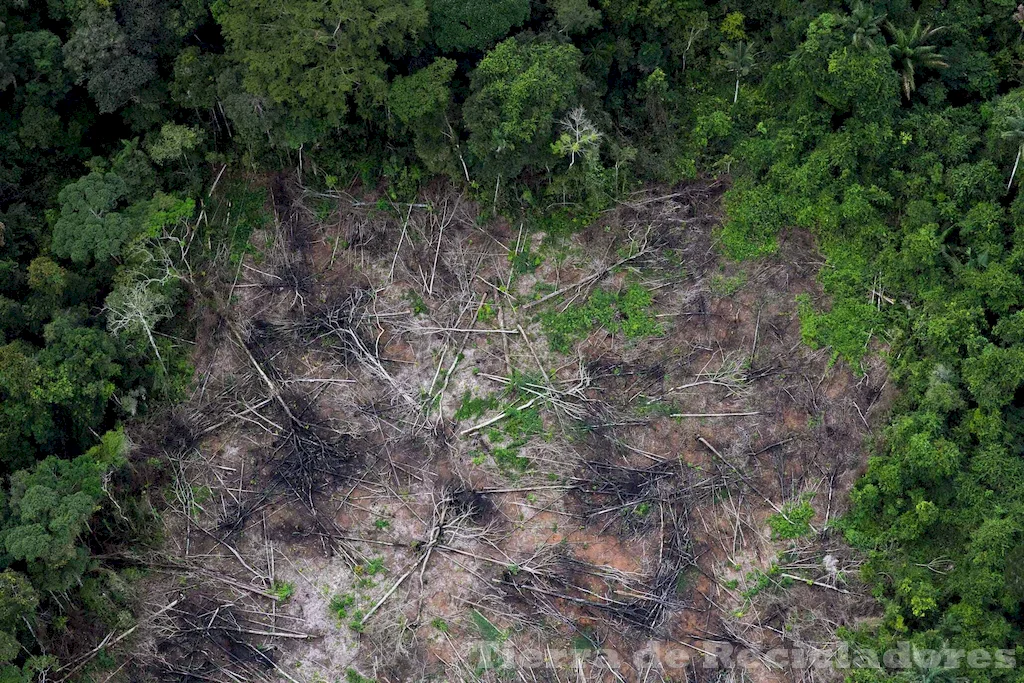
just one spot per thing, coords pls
(892, 130)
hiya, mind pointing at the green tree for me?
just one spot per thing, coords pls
(462, 25)
(576, 17)
(421, 102)
(25, 421)
(54, 398)
(42, 81)
(48, 507)
(77, 369)
(423, 95)
(174, 142)
(994, 375)
(732, 26)
(739, 60)
(323, 58)
(1013, 130)
(910, 52)
(195, 78)
(89, 226)
(518, 92)
(48, 279)
(121, 49)
(101, 55)
(865, 26)
(133, 166)
(18, 603)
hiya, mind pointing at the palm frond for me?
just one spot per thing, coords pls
(910, 52)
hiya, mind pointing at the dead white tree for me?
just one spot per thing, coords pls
(579, 138)
(136, 308)
(693, 33)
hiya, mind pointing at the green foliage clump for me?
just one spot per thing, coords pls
(474, 406)
(486, 656)
(846, 329)
(627, 312)
(512, 433)
(517, 92)
(282, 590)
(174, 142)
(727, 286)
(759, 581)
(793, 522)
(340, 605)
(353, 676)
(487, 630)
(755, 217)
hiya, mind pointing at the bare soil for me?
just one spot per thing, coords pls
(330, 517)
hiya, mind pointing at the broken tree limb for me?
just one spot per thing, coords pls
(498, 418)
(274, 391)
(108, 642)
(393, 588)
(472, 330)
(756, 412)
(742, 476)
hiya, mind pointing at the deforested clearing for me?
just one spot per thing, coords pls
(429, 444)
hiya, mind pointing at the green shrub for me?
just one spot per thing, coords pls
(755, 217)
(793, 522)
(627, 312)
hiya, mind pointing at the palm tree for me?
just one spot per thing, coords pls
(910, 52)
(865, 26)
(739, 59)
(1013, 129)
(938, 675)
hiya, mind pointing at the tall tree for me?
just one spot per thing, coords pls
(518, 92)
(575, 16)
(90, 226)
(739, 60)
(137, 308)
(579, 138)
(18, 602)
(321, 58)
(100, 54)
(47, 510)
(1013, 130)
(420, 102)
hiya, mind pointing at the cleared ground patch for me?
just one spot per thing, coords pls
(425, 445)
